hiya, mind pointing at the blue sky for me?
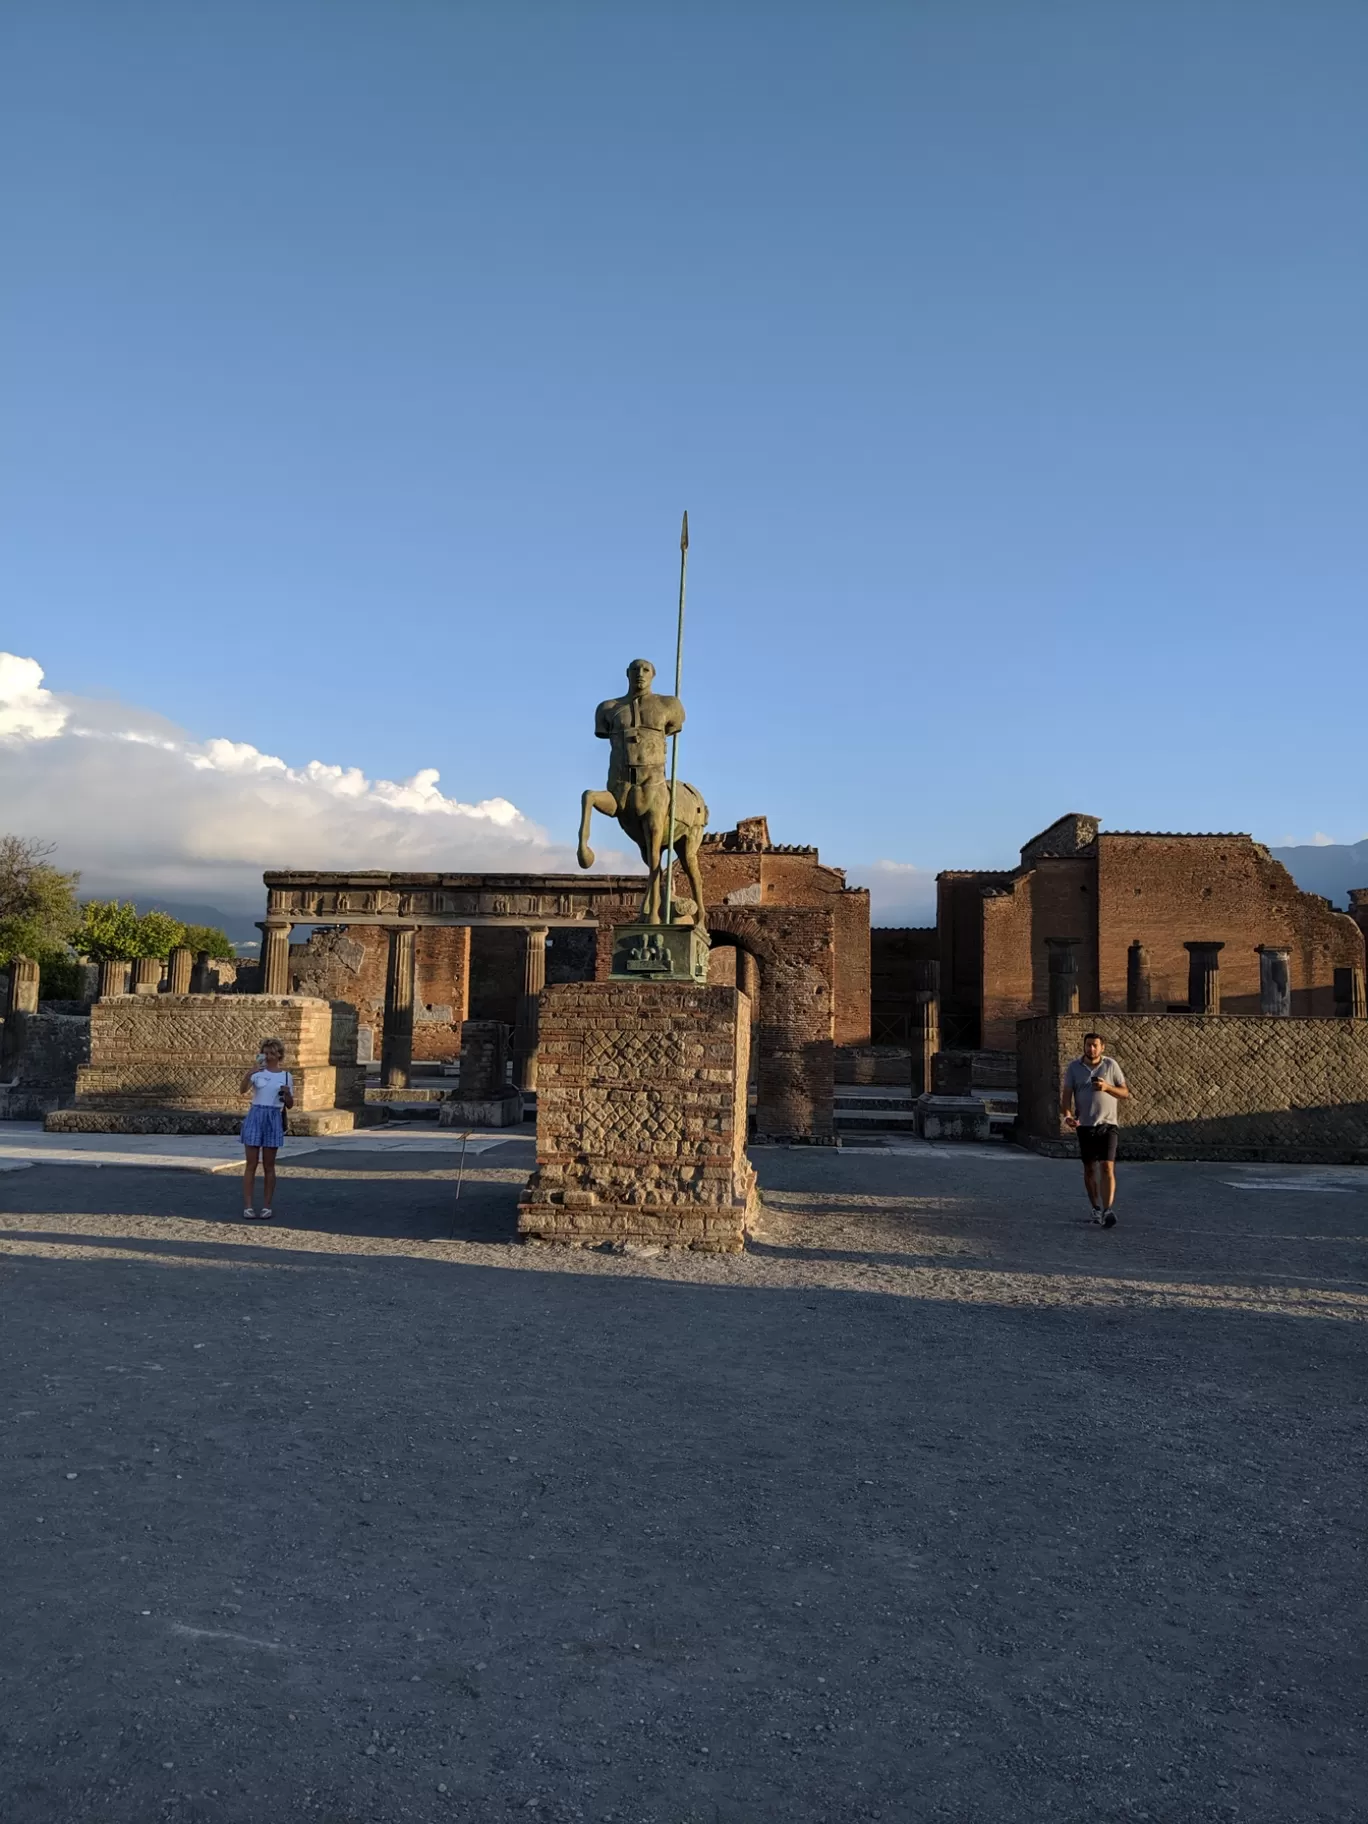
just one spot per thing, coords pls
(1011, 361)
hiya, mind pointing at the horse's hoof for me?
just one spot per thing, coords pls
(586, 857)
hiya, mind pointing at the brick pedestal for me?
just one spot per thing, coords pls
(641, 1117)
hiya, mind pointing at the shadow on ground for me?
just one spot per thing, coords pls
(346, 1524)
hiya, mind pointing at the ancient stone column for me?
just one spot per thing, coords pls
(1349, 994)
(1063, 974)
(1204, 976)
(1275, 982)
(925, 1023)
(1137, 979)
(178, 967)
(23, 988)
(201, 976)
(525, 1033)
(396, 1044)
(113, 976)
(147, 973)
(275, 956)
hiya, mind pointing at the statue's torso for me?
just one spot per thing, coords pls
(638, 730)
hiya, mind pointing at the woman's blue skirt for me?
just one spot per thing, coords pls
(263, 1126)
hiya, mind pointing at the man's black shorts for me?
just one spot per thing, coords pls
(1098, 1143)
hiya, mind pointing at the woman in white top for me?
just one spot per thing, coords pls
(272, 1091)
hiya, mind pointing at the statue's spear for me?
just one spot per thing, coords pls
(674, 739)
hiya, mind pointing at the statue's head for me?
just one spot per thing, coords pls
(639, 674)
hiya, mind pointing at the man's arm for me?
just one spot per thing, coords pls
(674, 715)
(1116, 1084)
(1066, 1096)
(602, 728)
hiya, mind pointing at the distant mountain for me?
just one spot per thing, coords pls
(1330, 868)
(238, 929)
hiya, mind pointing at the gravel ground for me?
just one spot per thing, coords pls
(936, 1504)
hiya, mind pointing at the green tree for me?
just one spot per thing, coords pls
(37, 901)
(110, 929)
(159, 933)
(60, 976)
(210, 938)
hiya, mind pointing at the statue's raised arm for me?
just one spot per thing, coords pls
(638, 727)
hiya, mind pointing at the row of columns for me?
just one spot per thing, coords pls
(1204, 979)
(396, 1044)
(186, 973)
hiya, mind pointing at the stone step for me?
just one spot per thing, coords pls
(882, 1121)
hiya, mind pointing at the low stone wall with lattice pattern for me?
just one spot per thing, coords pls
(189, 1051)
(641, 1117)
(1209, 1088)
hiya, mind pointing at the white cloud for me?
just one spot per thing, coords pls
(900, 893)
(27, 711)
(142, 807)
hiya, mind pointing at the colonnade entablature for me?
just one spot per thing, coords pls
(382, 898)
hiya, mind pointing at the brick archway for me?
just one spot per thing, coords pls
(794, 946)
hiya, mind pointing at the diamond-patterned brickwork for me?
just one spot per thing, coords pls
(641, 1116)
(1211, 1088)
(191, 1051)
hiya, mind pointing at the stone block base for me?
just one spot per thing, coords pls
(953, 1118)
(641, 1118)
(482, 1111)
(302, 1122)
(172, 1063)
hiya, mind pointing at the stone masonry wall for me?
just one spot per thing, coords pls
(484, 1058)
(349, 963)
(190, 1051)
(44, 1054)
(1210, 1088)
(641, 1117)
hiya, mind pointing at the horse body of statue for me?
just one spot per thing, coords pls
(638, 727)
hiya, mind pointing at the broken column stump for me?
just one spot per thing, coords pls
(641, 1118)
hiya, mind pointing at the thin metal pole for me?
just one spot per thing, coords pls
(460, 1175)
(674, 739)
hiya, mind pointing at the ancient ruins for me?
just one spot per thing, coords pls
(434, 985)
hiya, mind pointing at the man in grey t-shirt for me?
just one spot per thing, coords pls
(1092, 1087)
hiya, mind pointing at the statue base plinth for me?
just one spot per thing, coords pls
(660, 953)
(641, 1119)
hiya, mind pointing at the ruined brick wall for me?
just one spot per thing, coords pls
(959, 937)
(641, 1117)
(1211, 1088)
(776, 875)
(1057, 898)
(350, 962)
(1164, 890)
(854, 967)
(795, 1073)
(190, 1051)
(43, 1054)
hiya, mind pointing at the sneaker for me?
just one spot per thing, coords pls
(249, 1215)
(266, 1214)
(1109, 1219)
